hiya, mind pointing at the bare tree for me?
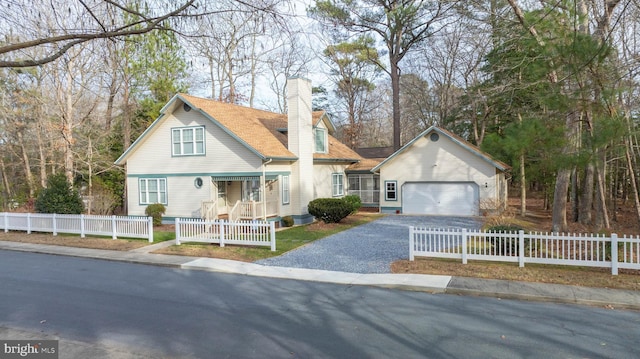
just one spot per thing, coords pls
(60, 36)
(401, 25)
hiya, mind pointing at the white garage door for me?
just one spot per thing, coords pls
(440, 198)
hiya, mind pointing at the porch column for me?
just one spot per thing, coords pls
(263, 184)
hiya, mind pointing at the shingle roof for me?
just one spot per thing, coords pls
(375, 152)
(248, 124)
(366, 164)
(262, 130)
(338, 151)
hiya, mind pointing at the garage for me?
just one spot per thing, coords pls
(441, 198)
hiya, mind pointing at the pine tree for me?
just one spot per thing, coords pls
(59, 197)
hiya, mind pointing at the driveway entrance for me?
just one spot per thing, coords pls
(369, 248)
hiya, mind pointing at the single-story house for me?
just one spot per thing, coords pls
(208, 159)
(439, 173)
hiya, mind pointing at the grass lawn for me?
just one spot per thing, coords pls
(163, 236)
(286, 240)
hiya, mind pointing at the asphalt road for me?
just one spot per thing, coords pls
(138, 310)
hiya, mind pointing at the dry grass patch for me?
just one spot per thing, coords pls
(231, 252)
(581, 276)
(74, 241)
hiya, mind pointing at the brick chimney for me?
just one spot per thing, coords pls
(300, 142)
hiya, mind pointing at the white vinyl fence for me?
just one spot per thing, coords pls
(250, 233)
(114, 226)
(546, 248)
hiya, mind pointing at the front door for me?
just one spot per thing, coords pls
(222, 196)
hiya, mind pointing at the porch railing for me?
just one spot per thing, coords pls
(234, 212)
(252, 210)
(209, 210)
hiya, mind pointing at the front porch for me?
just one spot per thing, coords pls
(242, 198)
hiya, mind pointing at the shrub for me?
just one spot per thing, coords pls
(354, 201)
(155, 211)
(287, 221)
(102, 200)
(59, 197)
(513, 247)
(329, 210)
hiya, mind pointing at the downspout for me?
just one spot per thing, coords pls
(264, 187)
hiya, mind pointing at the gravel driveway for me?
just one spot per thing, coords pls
(369, 248)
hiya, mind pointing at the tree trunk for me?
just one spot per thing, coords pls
(254, 64)
(602, 213)
(523, 188)
(108, 116)
(126, 117)
(586, 202)
(43, 157)
(523, 179)
(559, 215)
(575, 187)
(632, 179)
(212, 76)
(395, 94)
(5, 180)
(27, 165)
(67, 122)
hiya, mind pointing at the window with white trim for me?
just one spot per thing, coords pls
(153, 190)
(337, 184)
(286, 197)
(391, 190)
(187, 141)
(320, 140)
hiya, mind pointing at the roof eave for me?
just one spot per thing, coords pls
(358, 171)
(276, 158)
(336, 159)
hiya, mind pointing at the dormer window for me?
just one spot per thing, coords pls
(321, 140)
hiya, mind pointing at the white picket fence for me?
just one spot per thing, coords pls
(114, 226)
(250, 233)
(545, 248)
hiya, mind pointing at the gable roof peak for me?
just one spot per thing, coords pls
(456, 139)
